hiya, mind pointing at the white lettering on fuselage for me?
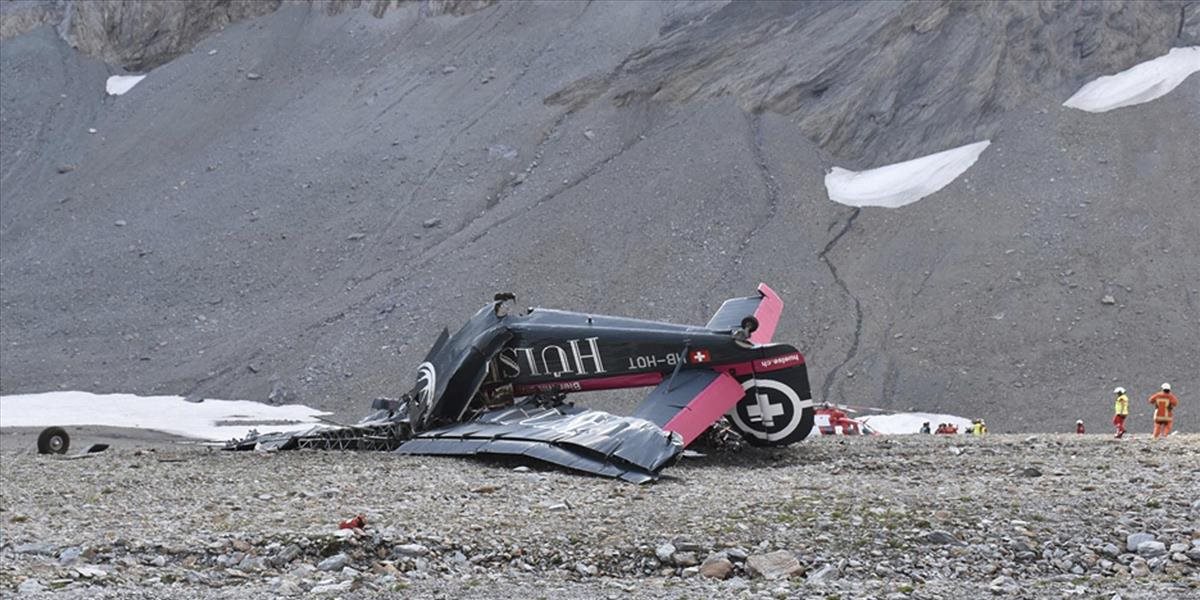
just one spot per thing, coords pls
(653, 362)
(555, 360)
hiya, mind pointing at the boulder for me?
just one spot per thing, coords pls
(774, 565)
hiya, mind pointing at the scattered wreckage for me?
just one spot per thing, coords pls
(499, 386)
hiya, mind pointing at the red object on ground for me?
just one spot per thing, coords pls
(1079, 428)
(358, 522)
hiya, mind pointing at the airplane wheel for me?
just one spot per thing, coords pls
(750, 324)
(53, 440)
(771, 414)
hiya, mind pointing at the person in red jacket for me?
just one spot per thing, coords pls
(1164, 403)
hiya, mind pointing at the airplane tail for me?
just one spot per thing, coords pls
(758, 314)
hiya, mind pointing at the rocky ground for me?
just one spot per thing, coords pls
(897, 517)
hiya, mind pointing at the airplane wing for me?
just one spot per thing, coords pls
(690, 402)
(630, 448)
(765, 308)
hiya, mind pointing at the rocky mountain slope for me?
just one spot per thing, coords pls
(295, 205)
(922, 517)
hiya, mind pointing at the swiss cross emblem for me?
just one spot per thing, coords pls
(700, 356)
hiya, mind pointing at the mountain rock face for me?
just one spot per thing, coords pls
(143, 34)
(888, 81)
(301, 200)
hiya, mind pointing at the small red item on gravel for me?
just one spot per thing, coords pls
(358, 522)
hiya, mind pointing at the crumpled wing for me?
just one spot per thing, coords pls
(690, 402)
(588, 440)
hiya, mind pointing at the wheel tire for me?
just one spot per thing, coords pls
(750, 324)
(53, 440)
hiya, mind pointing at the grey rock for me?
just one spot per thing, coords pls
(412, 550)
(334, 563)
(941, 537)
(824, 573)
(431, 223)
(586, 570)
(43, 548)
(69, 556)
(287, 555)
(685, 559)
(1031, 472)
(448, 69)
(664, 551)
(1004, 585)
(1139, 569)
(1108, 299)
(356, 236)
(287, 587)
(281, 394)
(774, 565)
(1150, 549)
(252, 76)
(1110, 550)
(331, 588)
(501, 151)
(1134, 539)
(120, 223)
(31, 586)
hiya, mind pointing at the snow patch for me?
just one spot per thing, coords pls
(217, 420)
(119, 84)
(902, 183)
(1140, 83)
(901, 423)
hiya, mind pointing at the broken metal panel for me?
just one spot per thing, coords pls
(588, 440)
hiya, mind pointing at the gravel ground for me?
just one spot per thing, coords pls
(897, 517)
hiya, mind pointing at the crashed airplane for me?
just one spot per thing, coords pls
(499, 386)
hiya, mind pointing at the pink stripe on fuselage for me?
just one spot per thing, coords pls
(706, 408)
(767, 313)
(615, 382)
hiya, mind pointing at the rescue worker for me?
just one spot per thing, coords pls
(1120, 411)
(925, 427)
(1079, 427)
(1164, 403)
(978, 427)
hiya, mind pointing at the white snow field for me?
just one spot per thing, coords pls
(901, 423)
(896, 185)
(119, 84)
(217, 420)
(1140, 83)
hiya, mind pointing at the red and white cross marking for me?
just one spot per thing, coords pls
(700, 356)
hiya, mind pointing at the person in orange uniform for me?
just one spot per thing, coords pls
(1120, 411)
(1164, 403)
